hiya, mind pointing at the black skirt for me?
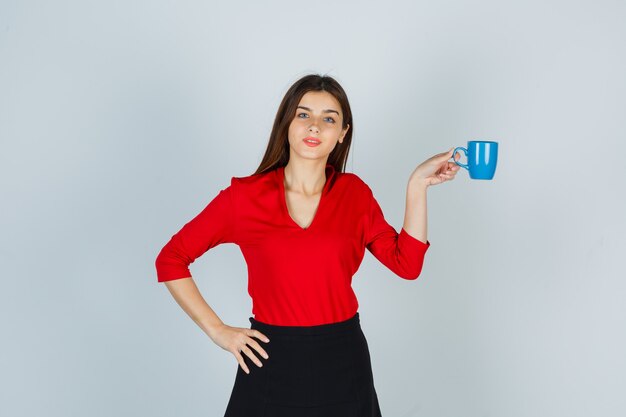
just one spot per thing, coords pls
(311, 371)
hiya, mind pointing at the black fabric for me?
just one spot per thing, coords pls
(312, 371)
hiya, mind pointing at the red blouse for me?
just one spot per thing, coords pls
(296, 276)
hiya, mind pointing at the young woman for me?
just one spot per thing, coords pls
(303, 225)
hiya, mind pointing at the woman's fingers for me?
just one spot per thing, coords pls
(258, 347)
(452, 169)
(241, 362)
(446, 176)
(260, 336)
(251, 355)
(452, 166)
(250, 342)
(238, 340)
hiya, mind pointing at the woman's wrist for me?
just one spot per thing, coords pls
(416, 185)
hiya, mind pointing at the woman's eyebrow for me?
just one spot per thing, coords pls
(323, 111)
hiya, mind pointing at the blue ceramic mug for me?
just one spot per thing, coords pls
(482, 158)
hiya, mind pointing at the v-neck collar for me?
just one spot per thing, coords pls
(280, 176)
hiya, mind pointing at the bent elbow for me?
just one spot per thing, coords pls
(410, 274)
(171, 267)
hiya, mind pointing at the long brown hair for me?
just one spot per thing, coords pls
(277, 152)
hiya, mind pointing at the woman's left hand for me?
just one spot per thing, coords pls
(436, 169)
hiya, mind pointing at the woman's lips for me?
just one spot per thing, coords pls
(311, 141)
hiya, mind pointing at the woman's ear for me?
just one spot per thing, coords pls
(344, 133)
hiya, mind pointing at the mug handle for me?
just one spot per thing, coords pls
(454, 160)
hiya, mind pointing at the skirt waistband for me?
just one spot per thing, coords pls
(351, 323)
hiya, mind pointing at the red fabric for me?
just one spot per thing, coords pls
(296, 276)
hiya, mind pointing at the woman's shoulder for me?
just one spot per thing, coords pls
(355, 185)
(355, 180)
(255, 182)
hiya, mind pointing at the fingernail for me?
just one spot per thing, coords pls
(267, 340)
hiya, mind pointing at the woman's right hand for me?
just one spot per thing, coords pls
(238, 340)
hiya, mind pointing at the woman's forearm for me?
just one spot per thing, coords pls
(415, 214)
(188, 297)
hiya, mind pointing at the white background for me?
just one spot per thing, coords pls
(120, 120)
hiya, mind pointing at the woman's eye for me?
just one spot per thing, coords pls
(329, 118)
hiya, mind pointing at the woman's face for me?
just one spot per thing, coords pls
(318, 116)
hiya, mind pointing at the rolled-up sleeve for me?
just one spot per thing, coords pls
(402, 253)
(213, 226)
